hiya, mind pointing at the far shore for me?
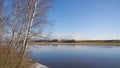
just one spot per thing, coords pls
(82, 42)
(77, 43)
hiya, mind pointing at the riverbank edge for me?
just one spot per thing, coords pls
(82, 43)
(38, 65)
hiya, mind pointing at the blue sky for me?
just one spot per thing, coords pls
(93, 19)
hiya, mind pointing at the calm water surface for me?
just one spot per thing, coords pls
(76, 56)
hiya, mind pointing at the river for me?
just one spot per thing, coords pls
(76, 56)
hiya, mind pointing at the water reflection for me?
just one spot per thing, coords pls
(77, 56)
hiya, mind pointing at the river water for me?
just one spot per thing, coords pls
(76, 56)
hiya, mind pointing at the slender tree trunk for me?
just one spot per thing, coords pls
(27, 34)
(28, 29)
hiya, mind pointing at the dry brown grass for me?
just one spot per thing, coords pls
(9, 58)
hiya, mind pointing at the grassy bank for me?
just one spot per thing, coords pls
(9, 58)
(86, 42)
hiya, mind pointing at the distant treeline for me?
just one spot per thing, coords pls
(56, 40)
(75, 41)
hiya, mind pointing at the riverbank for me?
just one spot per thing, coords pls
(77, 43)
(38, 65)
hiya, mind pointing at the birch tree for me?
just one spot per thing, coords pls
(27, 18)
(1, 20)
(24, 20)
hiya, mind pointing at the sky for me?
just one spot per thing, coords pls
(86, 19)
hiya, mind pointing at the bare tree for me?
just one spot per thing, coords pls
(0, 24)
(1, 21)
(24, 19)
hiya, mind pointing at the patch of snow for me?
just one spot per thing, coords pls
(38, 65)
